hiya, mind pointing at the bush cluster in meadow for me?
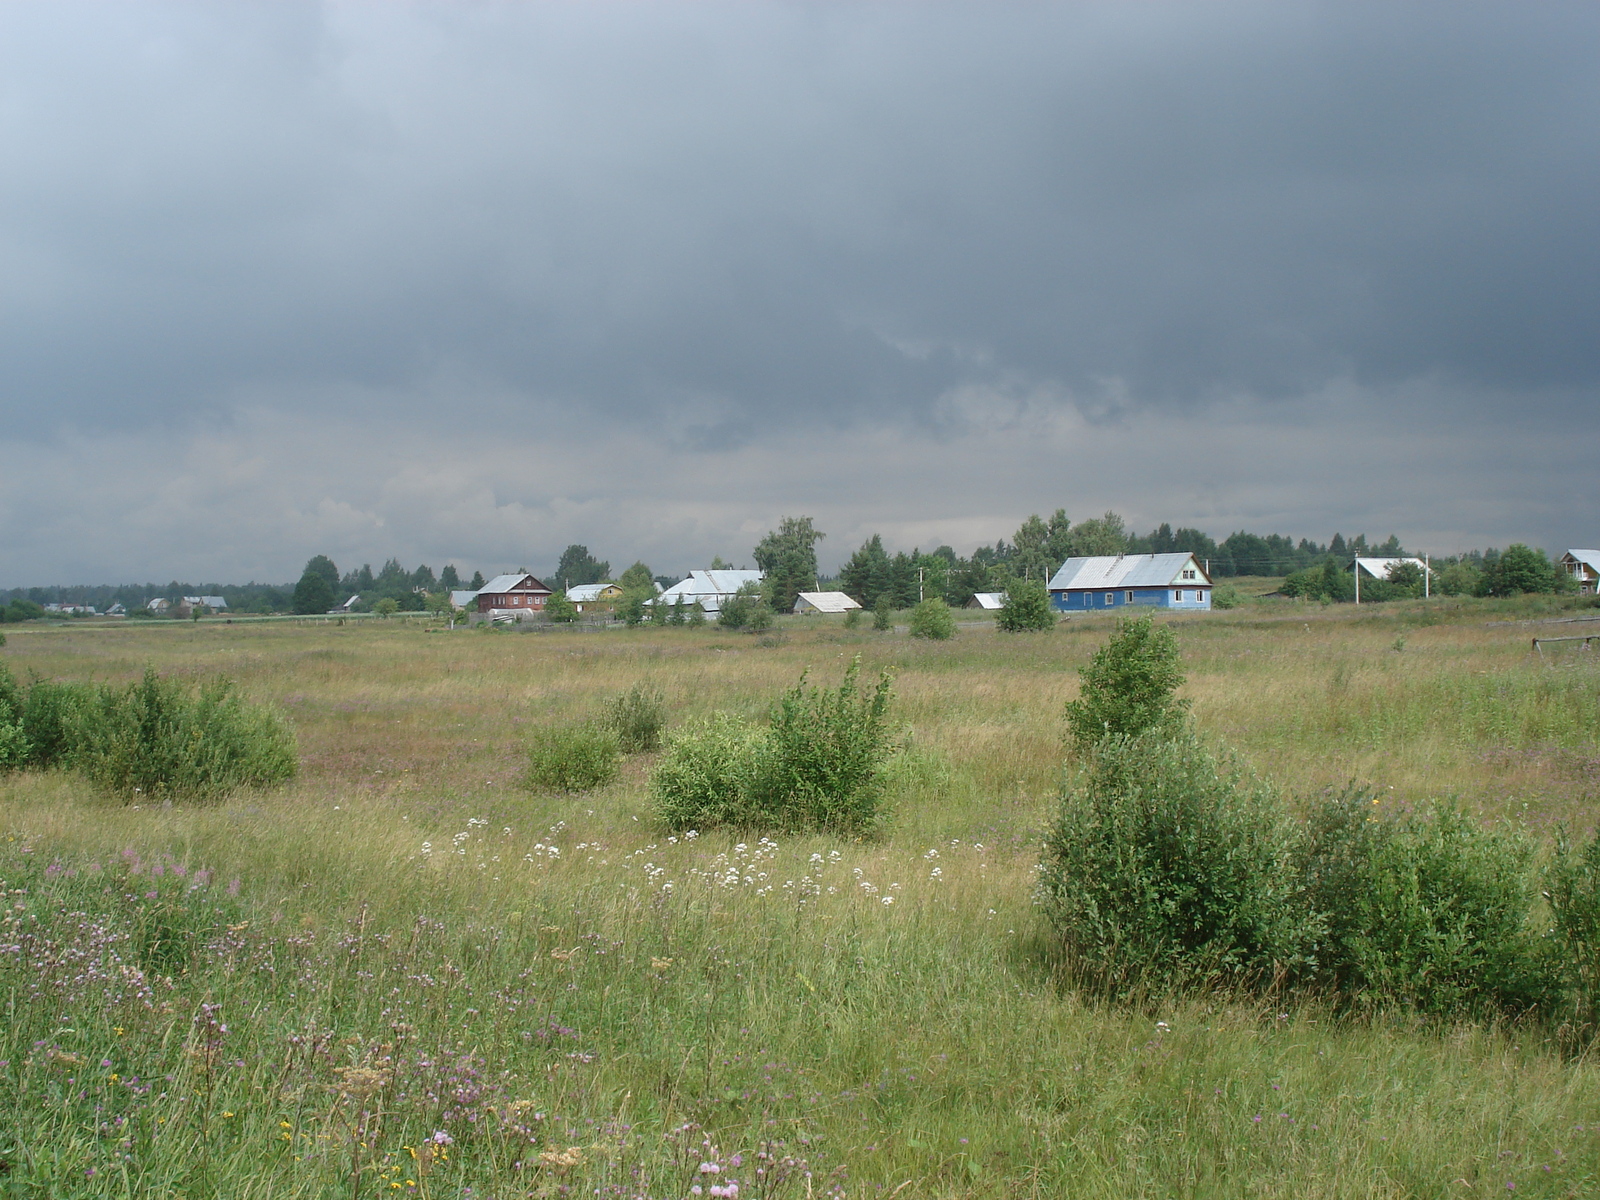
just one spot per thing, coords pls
(817, 765)
(1171, 865)
(157, 738)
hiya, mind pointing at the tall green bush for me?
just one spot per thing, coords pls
(13, 741)
(159, 738)
(1429, 910)
(932, 619)
(576, 758)
(1127, 688)
(818, 765)
(1572, 883)
(703, 778)
(1168, 865)
(637, 717)
(1026, 608)
(59, 720)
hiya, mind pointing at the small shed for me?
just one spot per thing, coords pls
(823, 602)
(988, 600)
(1172, 581)
(1584, 566)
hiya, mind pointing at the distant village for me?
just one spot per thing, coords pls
(1092, 565)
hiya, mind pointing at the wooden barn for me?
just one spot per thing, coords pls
(1171, 581)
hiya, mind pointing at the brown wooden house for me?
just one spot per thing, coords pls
(520, 593)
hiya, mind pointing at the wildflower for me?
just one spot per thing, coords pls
(660, 964)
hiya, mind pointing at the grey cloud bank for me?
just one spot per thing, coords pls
(473, 282)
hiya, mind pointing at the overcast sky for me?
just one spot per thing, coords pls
(469, 282)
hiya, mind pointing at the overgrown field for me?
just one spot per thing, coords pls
(409, 973)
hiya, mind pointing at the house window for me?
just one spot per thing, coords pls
(1177, 597)
(1188, 574)
(1110, 599)
(1127, 597)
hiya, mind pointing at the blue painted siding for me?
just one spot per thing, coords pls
(1098, 600)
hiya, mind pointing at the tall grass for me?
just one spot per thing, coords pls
(563, 999)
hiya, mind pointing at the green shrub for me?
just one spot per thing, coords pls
(1127, 689)
(1026, 608)
(1169, 866)
(852, 619)
(637, 718)
(1429, 911)
(819, 764)
(1225, 597)
(160, 738)
(932, 619)
(59, 719)
(883, 615)
(13, 741)
(576, 758)
(703, 778)
(1572, 883)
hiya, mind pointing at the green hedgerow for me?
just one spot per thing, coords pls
(1127, 689)
(59, 719)
(574, 758)
(1168, 865)
(932, 619)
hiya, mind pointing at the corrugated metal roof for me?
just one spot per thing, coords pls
(703, 584)
(462, 599)
(1589, 558)
(584, 593)
(1379, 568)
(828, 602)
(508, 583)
(1126, 571)
(989, 599)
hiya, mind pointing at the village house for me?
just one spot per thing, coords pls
(988, 600)
(515, 595)
(710, 589)
(1584, 566)
(823, 602)
(586, 596)
(1173, 581)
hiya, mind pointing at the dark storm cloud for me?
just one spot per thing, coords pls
(631, 206)
(721, 226)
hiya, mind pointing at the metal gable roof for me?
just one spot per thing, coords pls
(828, 602)
(1126, 571)
(511, 583)
(1589, 558)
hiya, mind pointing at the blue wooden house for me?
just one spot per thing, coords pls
(1174, 581)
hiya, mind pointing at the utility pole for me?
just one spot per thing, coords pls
(1427, 576)
(919, 585)
(1356, 563)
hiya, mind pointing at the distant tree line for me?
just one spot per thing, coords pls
(788, 557)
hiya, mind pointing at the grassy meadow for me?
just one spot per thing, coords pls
(407, 973)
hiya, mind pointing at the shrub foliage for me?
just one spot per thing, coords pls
(932, 619)
(577, 758)
(1026, 609)
(818, 765)
(1127, 689)
(1168, 864)
(637, 717)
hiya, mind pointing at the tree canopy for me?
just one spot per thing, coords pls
(578, 566)
(788, 558)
